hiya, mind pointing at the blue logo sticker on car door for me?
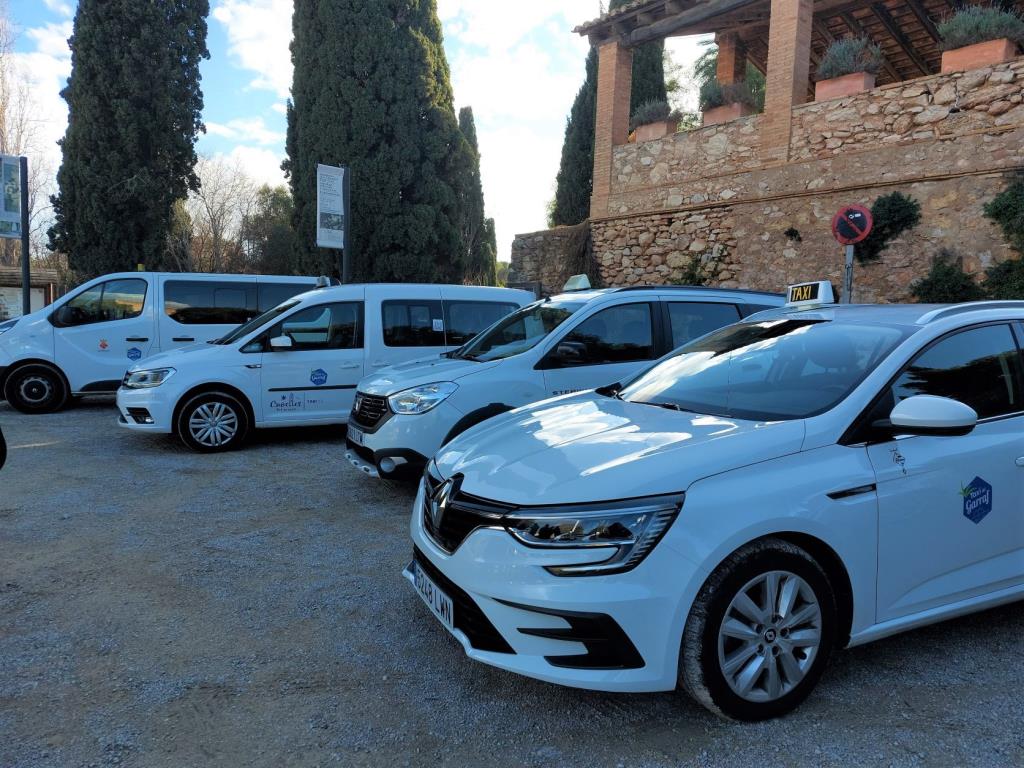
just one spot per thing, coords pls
(318, 377)
(134, 354)
(977, 500)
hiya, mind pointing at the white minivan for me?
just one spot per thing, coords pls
(298, 364)
(84, 342)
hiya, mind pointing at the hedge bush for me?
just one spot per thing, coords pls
(850, 55)
(893, 214)
(653, 112)
(978, 24)
(715, 94)
(946, 282)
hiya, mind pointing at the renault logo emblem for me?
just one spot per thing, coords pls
(439, 502)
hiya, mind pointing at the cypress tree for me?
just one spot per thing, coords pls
(371, 91)
(478, 239)
(575, 181)
(134, 102)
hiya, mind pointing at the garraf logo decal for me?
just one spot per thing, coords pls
(318, 377)
(977, 498)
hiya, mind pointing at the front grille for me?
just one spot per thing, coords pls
(369, 411)
(468, 618)
(462, 515)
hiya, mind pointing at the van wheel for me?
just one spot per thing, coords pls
(36, 389)
(760, 632)
(212, 422)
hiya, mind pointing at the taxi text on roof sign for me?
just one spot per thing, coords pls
(810, 294)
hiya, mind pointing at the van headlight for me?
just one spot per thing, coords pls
(422, 399)
(632, 527)
(147, 379)
(7, 325)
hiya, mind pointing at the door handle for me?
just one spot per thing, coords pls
(253, 366)
(183, 338)
(137, 338)
(379, 363)
(349, 366)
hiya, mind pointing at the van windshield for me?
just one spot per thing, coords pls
(518, 332)
(256, 323)
(767, 371)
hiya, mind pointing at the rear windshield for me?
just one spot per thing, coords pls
(767, 371)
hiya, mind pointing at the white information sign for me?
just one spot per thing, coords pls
(330, 206)
(10, 197)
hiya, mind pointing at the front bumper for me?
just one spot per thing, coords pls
(610, 633)
(145, 410)
(409, 440)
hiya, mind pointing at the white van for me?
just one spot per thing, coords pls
(84, 342)
(298, 364)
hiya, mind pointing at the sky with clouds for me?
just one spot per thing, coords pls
(517, 63)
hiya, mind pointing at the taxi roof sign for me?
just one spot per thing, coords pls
(810, 294)
(577, 283)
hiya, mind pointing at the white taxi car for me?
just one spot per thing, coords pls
(805, 480)
(568, 343)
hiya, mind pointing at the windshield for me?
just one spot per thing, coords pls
(518, 332)
(256, 323)
(767, 371)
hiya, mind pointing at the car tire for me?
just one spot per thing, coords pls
(36, 389)
(747, 658)
(212, 422)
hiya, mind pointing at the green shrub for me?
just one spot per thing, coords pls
(946, 282)
(1006, 280)
(714, 94)
(893, 214)
(850, 55)
(653, 112)
(1007, 210)
(977, 24)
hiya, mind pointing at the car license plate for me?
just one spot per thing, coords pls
(439, 603)
(355, 435)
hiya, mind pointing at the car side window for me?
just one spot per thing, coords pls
(112, 300)
(620, 334)
(465, 319)
(691, 320)
(325, 326)
(979, 367)
(273, 294)
(412, 323)
(207, 302)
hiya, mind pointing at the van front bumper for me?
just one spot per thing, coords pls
(144, 410)
(409, 441)
(610, 633)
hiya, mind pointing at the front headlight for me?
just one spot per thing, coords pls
(7, 325)
(632, 527)
(422, 399)
(147, 379)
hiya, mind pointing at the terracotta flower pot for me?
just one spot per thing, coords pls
(653, 131)
(845, 85)
(979, 55)
(725, 113)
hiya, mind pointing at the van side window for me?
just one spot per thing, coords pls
(112, 300)
(691, 320)
(273, 294)
(207, 302)
(465, 319)
(619, 334)
(325, 326)
(412, 323)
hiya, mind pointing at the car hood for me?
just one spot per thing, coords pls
(199, 353)
(591, 448)
(415, 373)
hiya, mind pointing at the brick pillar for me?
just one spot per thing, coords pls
(789, 61)
(611, 127)
(732, 58)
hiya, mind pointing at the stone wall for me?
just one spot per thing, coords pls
(550, 257)
(704, 205)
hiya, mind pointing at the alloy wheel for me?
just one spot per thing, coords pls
(213, 424)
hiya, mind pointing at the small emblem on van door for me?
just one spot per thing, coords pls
(318, 377)
(134, 354)
(977, 500)
(104, 345)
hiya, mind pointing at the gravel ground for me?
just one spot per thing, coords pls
(163, 608)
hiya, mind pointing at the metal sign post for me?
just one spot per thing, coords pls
(850, 225)
(26, 267)
(332, 213)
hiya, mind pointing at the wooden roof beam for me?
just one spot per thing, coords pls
(926, 20)
(883, 15)
(690, 17)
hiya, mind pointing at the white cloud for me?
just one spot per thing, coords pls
(248, 129)
(262, 165)
(259, 32)
(59, 6)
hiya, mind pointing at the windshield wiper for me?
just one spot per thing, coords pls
(667, 406)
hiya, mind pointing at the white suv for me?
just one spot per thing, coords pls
(568, 343)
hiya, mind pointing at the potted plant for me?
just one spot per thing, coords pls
(721, 103)
(980, 36)
(654, 120)
(849, 66)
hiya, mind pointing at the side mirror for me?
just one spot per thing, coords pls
(930, 415)
(280, 343)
